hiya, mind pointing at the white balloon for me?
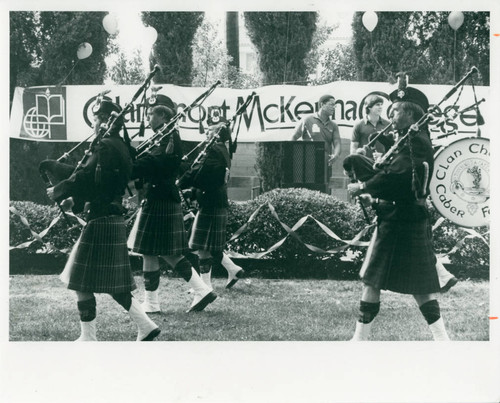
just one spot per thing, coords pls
(84, 50)
(151, 35)
(110, 24)
(456, 19)
(370, 20)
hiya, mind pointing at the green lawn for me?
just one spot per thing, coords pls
(42, 309)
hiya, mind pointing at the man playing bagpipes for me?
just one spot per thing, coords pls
(208, 176)
(159, 227)
(400, 257)
(367, 145)
(99, 262)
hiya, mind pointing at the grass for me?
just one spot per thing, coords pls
(42, 309)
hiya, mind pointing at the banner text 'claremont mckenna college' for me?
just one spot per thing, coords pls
(64, 113)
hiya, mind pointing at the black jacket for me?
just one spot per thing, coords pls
(209, 178)
(159, 169)
(394, 181)
(101, 179)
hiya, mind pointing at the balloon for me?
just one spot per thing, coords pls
(110, 24)
(456, 19)
(84, 50)
(151, 35)
(370, 20)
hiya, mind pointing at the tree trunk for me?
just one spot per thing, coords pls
(233, 37)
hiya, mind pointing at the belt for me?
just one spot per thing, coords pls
(418, 202)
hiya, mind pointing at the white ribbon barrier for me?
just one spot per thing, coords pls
(354, 242)
(39, 236)
(458, 245)
(257, 255)
(292, 232)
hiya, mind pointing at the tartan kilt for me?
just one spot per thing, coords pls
(160, 230)
(209, 229)
(99, 262)
(401, 258)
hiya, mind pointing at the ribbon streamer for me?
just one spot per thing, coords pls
(292, 232)
(354, 242)
(244, 228)
(39, 236)
(456, 247)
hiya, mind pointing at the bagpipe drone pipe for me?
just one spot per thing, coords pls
(54, 171)
(199, 174)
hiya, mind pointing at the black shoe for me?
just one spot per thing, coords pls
(238, 275)
(451, 282)
(152, 335)
(207, 299)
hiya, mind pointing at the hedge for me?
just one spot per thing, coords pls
(344, 219)
(292, 258)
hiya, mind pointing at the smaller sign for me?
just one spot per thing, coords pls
(460, 184)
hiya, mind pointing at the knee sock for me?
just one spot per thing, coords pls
(124, 299)
(194, 259)
(368, 311)
(217, 258)
(206, 265)
(87, 309)
(184, 268)
(151, 280)
(431, 311)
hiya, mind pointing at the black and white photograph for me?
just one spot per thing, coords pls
(291, 201)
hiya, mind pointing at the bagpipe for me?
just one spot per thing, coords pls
(59, 170)
(379, 136)
(197, 175)
(168, 128)
(403, 141)
(420, 183)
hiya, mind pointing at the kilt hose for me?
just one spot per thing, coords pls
(99, 261)
(209, 229)
(401, 258)
(160, 230)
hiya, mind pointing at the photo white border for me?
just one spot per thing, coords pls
(253, 371)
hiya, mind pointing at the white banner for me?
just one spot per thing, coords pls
(63, 113)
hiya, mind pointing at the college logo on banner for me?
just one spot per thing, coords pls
(44, 115)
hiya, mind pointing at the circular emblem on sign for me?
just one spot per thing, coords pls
(460, 184)
(97, 105)
(35, 124)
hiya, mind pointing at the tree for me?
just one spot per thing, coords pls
(23, 49)
(210, 58)
(233, 38)
(51, 40)
(379, 53)
(172, 50)
(332, 64)
(476, 44)
(422, 44)
(60, 35)
(450, 57)
(127, 70)
(314, 56)
(211, 61)
(282, 39)
(337, 64)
